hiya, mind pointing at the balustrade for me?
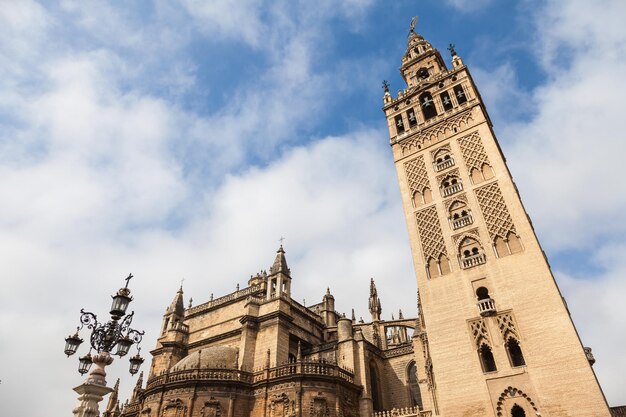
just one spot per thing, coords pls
(473, 260)
(462, 221)
(486, 307)
(451, 189)
(447, 163)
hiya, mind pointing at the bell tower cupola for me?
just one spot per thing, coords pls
(421, 62)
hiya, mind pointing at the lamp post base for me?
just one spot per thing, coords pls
(94, 388)
(89, 397)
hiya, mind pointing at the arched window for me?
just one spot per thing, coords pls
(413, 385)
(428, 106)
(442, 159)
(517, 411)
(459, 215)
(444, 264)
(460, 94)
(399, 124)
(411, 117)
(446, 101)
(486, 306)
(514, 243)
(515, 352)
(471, 253)
(450, 185)
(377, 403)
(486, 358)
(501, 247)
(423, 197)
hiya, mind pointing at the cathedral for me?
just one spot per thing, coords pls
(493, 336)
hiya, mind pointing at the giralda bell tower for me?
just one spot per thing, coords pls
(496, 338)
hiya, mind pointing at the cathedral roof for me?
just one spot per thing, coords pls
(214, 357)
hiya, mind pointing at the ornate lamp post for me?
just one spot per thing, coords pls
(115, 333)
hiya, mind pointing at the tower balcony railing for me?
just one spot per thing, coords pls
(462, 221)
(451, 189)
(447, 163)
(403, 412)
(473, 260)
(486, 307)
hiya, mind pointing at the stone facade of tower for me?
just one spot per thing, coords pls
(257, 352)
(495, 336)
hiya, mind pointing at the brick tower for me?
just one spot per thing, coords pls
(495, 337)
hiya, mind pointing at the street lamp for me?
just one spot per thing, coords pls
(103, 339)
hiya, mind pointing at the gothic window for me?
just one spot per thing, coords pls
(446, 100)
(460, 94)
(399, 124)
(459, 215)
(428, 106)
(515, 352)
(471, 253)
(517, 411)
(411, 116)
(375, 388)
(486, 358)
(451, 185)
(413, 385)
(442, 159)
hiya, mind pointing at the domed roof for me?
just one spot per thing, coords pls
(209, 358)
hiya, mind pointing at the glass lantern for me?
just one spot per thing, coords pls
(120, 303)
(72, 343)
(123, 346)
(84, 364)
(135, 363)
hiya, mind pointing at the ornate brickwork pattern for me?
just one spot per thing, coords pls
(506, 324)
(441, 148)
(473, 151)
(416, 177)
(479, 332)
(436, 133)
(430, 233)
(473, 233)
(460, 197)
(495, 212)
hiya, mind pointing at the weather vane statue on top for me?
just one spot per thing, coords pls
(412, 25)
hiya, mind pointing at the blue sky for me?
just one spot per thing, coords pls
(179, 138)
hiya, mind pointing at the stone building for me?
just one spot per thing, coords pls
(258, 352)
(497, 336)
(493, 336)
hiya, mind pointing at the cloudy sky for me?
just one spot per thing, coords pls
(181, 139)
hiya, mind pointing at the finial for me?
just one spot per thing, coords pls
(237, 286)
(328, 290)
(412, 25)
(281, 241)
(386, 86)
(353, 316)
(128, 279)
(451, 49)
(400, 315)
(190, 302)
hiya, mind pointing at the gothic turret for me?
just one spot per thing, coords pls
(279, 277)
(374, 302)
(328, 309)
(113, 401)
(172, 344)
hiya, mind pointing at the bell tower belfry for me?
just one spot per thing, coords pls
(496, 336)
